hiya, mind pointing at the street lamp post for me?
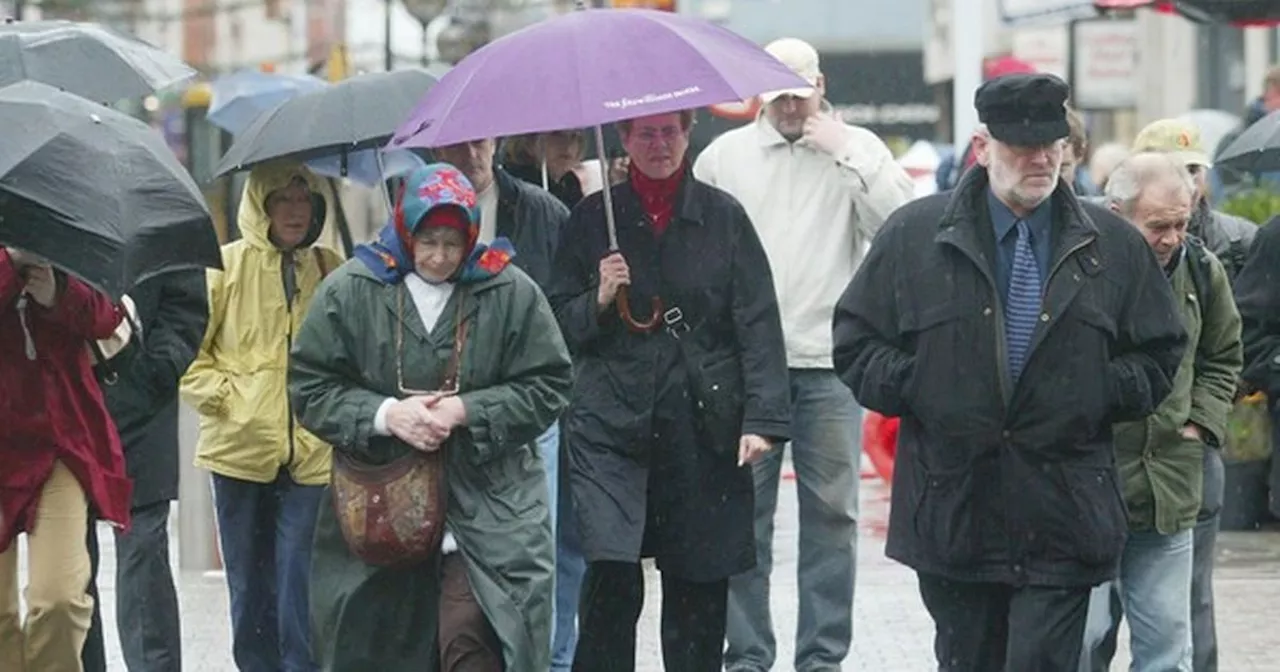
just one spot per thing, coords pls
(425, 11)
(966, 44)
(388, 56)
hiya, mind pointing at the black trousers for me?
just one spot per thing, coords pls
(693, 620)
(147, 616)
(987, 627)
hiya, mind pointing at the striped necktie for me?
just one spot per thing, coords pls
(1022, 306)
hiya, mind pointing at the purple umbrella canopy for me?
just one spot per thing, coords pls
(587, 68)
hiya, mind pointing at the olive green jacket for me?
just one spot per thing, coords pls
(1161, 470)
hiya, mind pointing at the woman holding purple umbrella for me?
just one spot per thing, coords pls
(666, 419)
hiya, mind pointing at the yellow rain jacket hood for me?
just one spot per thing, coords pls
(238, 380)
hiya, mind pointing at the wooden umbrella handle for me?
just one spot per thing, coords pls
(624, 309)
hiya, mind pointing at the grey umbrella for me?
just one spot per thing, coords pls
(1257, 149)
(96, 192)
(358, 113)
(86, 59)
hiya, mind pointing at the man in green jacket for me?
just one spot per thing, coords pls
(1159, 459)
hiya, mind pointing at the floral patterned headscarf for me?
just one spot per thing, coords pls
(434, 195)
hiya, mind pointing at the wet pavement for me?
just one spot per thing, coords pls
(892, 632)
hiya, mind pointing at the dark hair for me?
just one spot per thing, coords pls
(686, 122)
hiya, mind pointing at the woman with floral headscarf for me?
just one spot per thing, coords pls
(383, 326)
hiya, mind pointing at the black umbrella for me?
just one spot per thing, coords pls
(1257, 149)
(358, 113)
(86, 59)
(96, 192)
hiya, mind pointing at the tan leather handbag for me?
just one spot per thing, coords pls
(393, 514)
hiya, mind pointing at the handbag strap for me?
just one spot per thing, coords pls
(450, 380)
(321, 262)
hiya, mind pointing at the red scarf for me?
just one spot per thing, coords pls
(657, 196)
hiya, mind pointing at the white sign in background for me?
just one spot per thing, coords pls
(1106, 64)
(1045, 47)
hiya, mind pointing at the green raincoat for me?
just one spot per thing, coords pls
(1162, 471)
(514, 379)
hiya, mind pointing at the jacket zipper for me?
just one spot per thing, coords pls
(287, 399)
(288, 340)
(1053, 271)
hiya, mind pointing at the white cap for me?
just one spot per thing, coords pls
(802, 58)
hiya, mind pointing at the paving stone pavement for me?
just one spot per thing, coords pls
(892, 632)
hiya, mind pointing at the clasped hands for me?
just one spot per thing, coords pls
(426, 421)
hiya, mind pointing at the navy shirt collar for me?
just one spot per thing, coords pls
(1004, 219)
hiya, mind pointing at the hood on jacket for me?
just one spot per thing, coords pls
(266, 178)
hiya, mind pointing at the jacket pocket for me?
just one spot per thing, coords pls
(944, 517)
(1082, 515)
(515, 484)
(949, 341)
(718, 397)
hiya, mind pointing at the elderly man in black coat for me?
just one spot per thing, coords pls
(141, 389)
(1008, 325)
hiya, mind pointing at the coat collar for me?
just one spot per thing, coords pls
(965, 225)
(966, 211)
(411, 320)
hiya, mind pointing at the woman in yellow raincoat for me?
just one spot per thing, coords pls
(268, 472)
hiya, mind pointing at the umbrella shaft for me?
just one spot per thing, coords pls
(606, 190)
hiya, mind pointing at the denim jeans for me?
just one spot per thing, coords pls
(826, 452)
(264, 534)
(549, 448)
(1204, 638)
(569, 563)
(570, 569)
(1155, 592)
(1204, 635)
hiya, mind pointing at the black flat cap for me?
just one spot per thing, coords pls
(1026, 110)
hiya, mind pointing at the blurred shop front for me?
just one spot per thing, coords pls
(884, 92)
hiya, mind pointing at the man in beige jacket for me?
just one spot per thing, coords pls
(817, 190)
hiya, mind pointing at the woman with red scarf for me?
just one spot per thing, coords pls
(61, 464)
(666, 421)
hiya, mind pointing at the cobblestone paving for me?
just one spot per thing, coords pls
(892, 632)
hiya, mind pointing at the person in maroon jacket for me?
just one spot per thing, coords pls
(62, 462)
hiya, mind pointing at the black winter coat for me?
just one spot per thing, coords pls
(650, 475)
(1257, 290)
(173, 311)
(996, 480)
(531, 219)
